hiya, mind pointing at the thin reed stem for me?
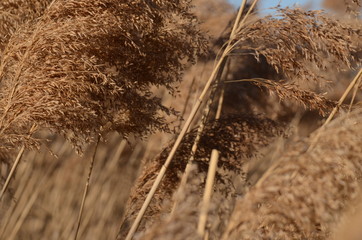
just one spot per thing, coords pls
(15, 165)
(344, 96)
(42, 184)
(354, 94)
(247, 15)
(335, 109)
(220, 103)
(208, 192)
(177, 143)
(12, 171)
(187, 124)
(314, 140)
(86, 188)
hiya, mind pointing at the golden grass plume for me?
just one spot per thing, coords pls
(299, 43)
(14, 13)
(88, 66)
(306, 192)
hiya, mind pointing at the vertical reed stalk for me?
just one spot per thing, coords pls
(86, 188)
(15, 165)
(208, 192)
(187, 124)
(353, 83)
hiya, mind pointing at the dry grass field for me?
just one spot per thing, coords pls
(180, 120)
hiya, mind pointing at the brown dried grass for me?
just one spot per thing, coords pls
(14, 13)
(56, 183)
(82, 95)
(290, 91)
(182, 222)
(299, 43)
(306, 192)
(236, 138)
(350, 227)
(88, 66)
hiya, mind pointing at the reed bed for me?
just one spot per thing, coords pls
(305, 192)
(92, 67)
(182, 222)
(237, 139)
(45, 202)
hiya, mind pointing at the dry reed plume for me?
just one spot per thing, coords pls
(87, 67)
(289, 91)
(80, 68)
(295, 55)
(14, 13)
(306, 192)
(299, 43)
(236, 138)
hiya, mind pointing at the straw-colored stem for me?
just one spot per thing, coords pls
(15, 165)
(12, 171)
(194, 147)
(178, 141)
(344, 96)
(42, 184)
(246, 15)
(238, 17)
(119, 151)
(200, 130)
(221, 97)
(208, 191)
(220, 103)
(86, 189)
(173, 150)
(335, 109)
(316, 137)
(354, 94)
(24, 213)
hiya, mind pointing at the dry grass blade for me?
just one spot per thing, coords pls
(345, 94)
(194, 147)
(182, 224)
(307, 191)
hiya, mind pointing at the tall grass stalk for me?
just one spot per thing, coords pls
(91, 164)
(15, 165)
(208, 192)
(352, 84)
(182, 133)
